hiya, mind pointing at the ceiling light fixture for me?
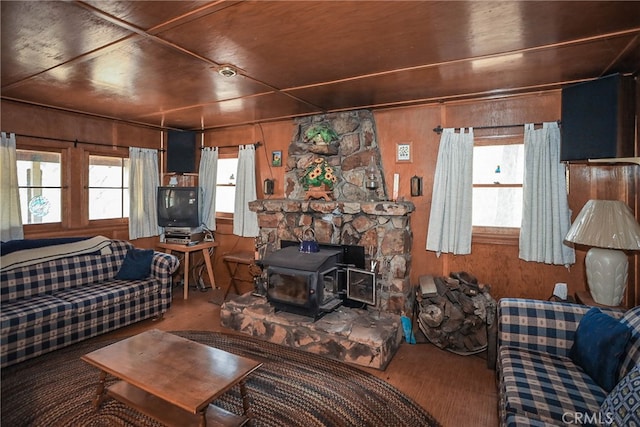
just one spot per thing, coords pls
(227, 71)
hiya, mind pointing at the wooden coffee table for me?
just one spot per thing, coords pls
(172, 379)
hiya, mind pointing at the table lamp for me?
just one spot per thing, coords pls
(608, 226)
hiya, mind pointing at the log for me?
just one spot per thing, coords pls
(435, 336)
(453, 321)
(457, 342)
(470, 290)
(467, 328)
(457, 317)
(453, 311)
(467, 304)
(464, 277)
(441, 285)
(481, 337)
(453, 284)
(481, 307)
(468, 342)
(453, 297)
(437, 300)
(432, 315)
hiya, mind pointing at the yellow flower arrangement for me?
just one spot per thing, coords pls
(317, 173)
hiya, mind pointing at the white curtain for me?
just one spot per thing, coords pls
(208, 175)
(143, 188)
(10, 216)
(545, 211)
(245, 222)
(450, 223)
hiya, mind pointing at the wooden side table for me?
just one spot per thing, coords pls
(584, 298)
(187, 249)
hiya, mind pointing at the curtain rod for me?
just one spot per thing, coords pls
(76, 142)
(255, 144)
(438, 129)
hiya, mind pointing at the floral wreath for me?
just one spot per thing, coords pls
(317, 173)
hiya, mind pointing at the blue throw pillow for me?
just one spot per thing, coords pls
(136, 265)
(598, 346)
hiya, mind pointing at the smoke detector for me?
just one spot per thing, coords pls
(227, 71)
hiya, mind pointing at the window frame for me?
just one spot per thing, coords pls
(64, 194)
(225, 215)
(489, 234)
(105, 222)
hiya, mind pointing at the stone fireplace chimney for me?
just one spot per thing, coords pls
(381, 226)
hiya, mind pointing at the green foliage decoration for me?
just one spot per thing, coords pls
(321, 133)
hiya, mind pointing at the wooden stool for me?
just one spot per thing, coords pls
(233, 262)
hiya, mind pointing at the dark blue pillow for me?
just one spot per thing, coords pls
(136, 265)
(598, 346)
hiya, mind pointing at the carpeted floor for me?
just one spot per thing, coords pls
(292, 388)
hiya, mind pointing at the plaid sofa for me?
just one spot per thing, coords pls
(53, 304)
(539, 385)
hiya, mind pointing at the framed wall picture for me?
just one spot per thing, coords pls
(276, 158)
(361, 285)
(403, 152)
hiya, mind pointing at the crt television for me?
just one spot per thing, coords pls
(178, 207)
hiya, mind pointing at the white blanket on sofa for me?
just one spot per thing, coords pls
(26, 257)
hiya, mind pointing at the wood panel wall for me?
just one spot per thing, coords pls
(271, 137)
(115, 136)
(494, 262)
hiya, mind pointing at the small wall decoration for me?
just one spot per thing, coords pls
(276, 158)
(403, 152)
(416, 186)
(318, 180)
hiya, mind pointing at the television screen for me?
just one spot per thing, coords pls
(178, 207)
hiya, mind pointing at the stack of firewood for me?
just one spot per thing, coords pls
(455, 312)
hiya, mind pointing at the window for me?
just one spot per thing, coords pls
(108, 187)
(226, 186)
(498, 172)
(39, 184)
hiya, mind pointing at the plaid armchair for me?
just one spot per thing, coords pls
(539, 384)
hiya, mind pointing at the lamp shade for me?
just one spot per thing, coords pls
(605, 224)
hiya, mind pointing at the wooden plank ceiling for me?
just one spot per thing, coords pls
(157, 62)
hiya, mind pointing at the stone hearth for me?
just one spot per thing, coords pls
(359, 213)
(382, 228)
(361, 337)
